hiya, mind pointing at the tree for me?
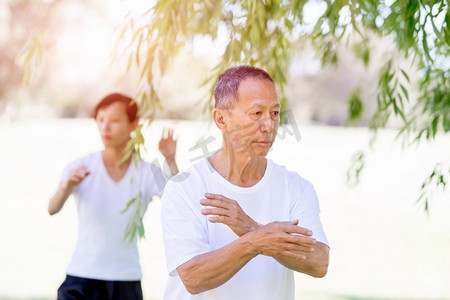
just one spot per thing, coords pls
(262, 33)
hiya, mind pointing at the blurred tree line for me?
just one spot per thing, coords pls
(18, 21)
(38, 26)
(411, 82)
(55, 43)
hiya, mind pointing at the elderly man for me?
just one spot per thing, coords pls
(239, 224)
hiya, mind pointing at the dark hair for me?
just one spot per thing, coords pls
(226, 91)
(131, 106)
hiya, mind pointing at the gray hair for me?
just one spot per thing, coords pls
(226, 91)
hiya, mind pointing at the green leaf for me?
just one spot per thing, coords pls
(405, 75)
(135, 226)
(138, 47)
(129, 203)
(130, 63)
(119, 38)
(254, 34)
(356, 166)
(426, 50)
(355, 107)
(434, 125)
(126, 156)
(288, 24)
(405, 92)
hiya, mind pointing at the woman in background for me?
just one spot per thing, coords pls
(104, 264)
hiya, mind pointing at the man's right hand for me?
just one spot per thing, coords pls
(274, 239)
(282, 239)
(229, 212)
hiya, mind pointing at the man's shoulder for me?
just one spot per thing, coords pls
(185, 187)
(193, 173)
(292, 176)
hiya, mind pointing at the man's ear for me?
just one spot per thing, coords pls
(220, 117)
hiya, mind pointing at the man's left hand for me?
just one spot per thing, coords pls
(228, 211)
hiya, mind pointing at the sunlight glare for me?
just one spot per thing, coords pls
(83, 50)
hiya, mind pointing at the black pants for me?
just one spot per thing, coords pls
(77, 288)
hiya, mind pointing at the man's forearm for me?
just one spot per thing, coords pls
(315, 263)
(212, 269)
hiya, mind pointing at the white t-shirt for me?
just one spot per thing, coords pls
(101, 251)
(280, 195)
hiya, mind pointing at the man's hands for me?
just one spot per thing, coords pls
(290, 245)
(283, 239)
(228, 212)
(274, 239)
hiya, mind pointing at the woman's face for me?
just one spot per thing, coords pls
(114, 126)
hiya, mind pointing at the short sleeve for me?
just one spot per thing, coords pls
(305, 208)
(184, 227)
(65, 172)
(69, 167)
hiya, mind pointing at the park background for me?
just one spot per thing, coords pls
(383, 244)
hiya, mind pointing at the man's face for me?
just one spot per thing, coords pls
(253, 121)
(114, 125)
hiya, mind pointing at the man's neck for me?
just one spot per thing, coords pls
(240, 170)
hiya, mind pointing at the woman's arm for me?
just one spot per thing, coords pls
(75, 177)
